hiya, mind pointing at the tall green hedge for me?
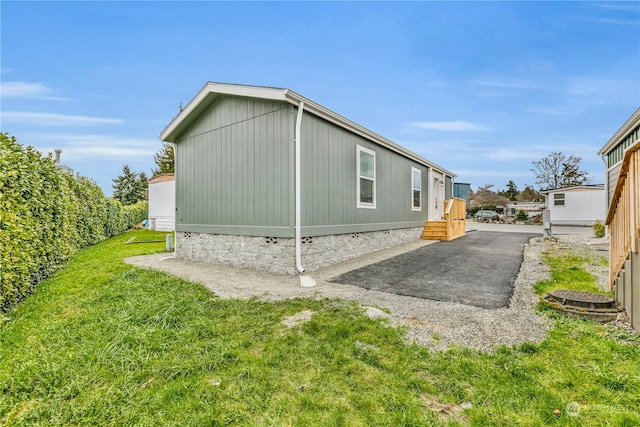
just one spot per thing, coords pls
(46, 215)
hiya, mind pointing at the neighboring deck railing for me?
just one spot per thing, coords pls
(623, 219)
(455, 214)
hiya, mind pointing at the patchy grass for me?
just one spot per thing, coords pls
(105, 343)
(569, 271)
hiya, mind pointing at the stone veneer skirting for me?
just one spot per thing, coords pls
(277, 254)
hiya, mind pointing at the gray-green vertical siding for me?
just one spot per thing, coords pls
(612, 180)
(235, 175)
(234, 169)
(329, 179)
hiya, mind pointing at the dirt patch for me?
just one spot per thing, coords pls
(446, 411)
(297, 319)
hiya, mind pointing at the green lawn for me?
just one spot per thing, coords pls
(105, 343)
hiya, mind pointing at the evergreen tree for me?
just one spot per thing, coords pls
(143, 185)
(512, 190)
(529, 194)
(127, 187)
(164, 160)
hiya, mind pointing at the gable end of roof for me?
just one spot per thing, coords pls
(211, 91)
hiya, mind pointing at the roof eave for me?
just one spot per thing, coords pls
(209, 93)
(621, 133)
(206, 96)
(335, 118)
(575, 187)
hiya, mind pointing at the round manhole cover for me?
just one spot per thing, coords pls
(581, 299)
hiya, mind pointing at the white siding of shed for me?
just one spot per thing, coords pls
(581, 207)
(162, 206)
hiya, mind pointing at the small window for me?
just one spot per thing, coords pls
(366, 178)
(558, 199)
(416, 189)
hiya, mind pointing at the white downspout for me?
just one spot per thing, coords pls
(298, 190)
(305, 280)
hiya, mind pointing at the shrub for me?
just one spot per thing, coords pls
(135, 214)
(46, 215)
(522, 216)
(599, 229)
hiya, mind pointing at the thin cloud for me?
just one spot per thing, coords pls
(553, 111)
(612, 21)
(595, 86)
(455, 125)
(508, 154)
(447, 148)
(491, 174)
(507, 83)
(55, 119)
(27, 90)
(625, 7)
(97, 146)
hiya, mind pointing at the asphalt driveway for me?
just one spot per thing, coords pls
(478, 269)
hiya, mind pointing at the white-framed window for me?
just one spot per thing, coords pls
(558, 199)
(416, 189)
(366, 167)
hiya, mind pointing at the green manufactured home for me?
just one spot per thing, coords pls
(266, 178)
(621, 155)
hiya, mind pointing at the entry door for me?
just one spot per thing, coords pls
(436, 205)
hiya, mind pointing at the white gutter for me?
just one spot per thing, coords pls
(305, 280)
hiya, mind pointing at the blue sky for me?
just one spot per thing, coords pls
(481, 88)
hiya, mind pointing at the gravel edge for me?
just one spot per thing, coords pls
(433, 324)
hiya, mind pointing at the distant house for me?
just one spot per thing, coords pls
(269, 179)
(462, 190)
(532, 209)
(579, 205)
(622, 157)
(162, 202)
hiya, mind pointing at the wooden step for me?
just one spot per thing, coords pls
(435, 230)
(433, 237)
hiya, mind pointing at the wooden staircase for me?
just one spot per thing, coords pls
(435, 230)
(453, 225)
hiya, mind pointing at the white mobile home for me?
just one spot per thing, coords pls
(579, 205)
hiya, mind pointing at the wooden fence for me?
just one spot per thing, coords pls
(623, 220)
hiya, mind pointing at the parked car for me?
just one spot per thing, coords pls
(486, 215)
